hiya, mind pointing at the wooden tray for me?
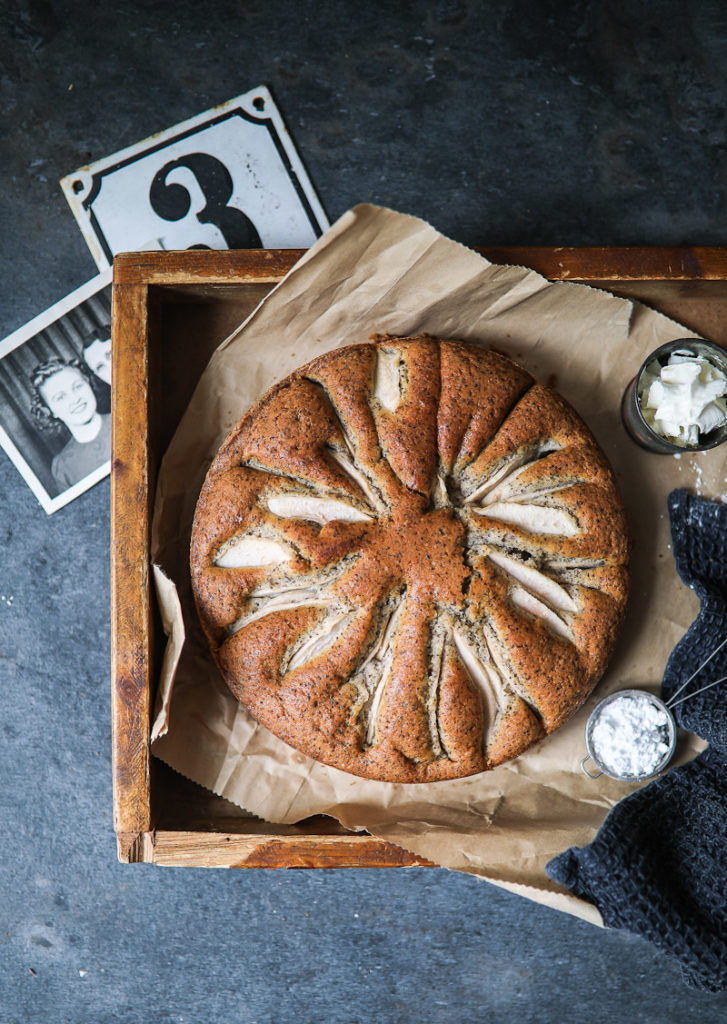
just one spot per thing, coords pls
(170, 311)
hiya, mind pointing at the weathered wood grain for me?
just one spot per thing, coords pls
(633, 263)
(230, 850)
(131, 634)
(204, 267)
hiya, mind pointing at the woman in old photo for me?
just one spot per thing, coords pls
(64, 398)
(97, 355)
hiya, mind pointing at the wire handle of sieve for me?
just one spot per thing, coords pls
(673, 703)
(694, 674)
(585, 771)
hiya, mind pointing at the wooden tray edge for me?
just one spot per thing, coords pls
(561, 263)
(228, 850)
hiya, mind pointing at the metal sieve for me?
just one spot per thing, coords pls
(648, 698)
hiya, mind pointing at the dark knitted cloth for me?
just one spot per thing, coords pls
(658, 866)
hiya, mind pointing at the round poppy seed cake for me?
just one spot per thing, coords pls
(409, 559)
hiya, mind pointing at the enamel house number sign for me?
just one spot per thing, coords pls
(227, 179)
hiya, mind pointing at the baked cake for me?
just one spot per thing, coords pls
(409, 559)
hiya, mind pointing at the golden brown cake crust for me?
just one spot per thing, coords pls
(409, 559)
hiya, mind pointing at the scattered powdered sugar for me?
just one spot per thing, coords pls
(630, 736)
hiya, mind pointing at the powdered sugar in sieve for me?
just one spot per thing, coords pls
(630, 735)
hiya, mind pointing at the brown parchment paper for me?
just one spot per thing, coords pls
(376, 270)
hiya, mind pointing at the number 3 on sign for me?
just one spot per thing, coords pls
(195, 191)
(227, 179)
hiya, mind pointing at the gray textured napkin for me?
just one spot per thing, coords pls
(658, 866)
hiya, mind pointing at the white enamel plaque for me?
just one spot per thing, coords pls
(227, 179)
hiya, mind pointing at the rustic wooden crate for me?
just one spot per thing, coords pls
(170, 311)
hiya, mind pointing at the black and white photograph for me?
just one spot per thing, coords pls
(55, 395)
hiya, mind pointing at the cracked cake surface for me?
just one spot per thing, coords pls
(409, 559)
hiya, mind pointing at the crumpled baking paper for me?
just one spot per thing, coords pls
(380, 271)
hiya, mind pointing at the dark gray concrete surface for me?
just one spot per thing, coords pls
(501, 122)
